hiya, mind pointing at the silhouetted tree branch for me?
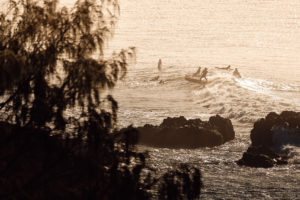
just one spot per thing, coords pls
(52, 65)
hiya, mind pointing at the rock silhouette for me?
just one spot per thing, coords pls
(263, 130)
(178, 132)
(262, 153)
(261, 156)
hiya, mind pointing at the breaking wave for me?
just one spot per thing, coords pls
(242, 99)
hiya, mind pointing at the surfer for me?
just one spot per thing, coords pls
(197, 72)
(203, 74)
(225, 68)
(159, 65)
(156, 78)
(236, 73)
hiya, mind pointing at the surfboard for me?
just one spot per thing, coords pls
(190, 79)
(224, 68)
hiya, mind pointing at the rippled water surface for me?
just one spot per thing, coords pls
(242, 100)
(259, 37)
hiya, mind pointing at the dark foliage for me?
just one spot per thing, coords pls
(182, 183)
(34, 165)
(52, 60)
(56, 140)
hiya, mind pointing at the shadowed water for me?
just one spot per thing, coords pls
(259, 37)
(242, 100)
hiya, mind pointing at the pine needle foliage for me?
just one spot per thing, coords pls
(52, 59)
(55, 112)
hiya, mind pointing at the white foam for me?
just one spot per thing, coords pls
(264, 86)
(253, 85)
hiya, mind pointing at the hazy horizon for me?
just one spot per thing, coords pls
(254, 36)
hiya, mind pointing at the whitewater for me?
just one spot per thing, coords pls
(242, 100)
(260, 38)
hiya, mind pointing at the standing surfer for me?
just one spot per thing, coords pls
(203, 74)
(159, 65)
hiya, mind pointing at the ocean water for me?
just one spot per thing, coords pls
(260, 37)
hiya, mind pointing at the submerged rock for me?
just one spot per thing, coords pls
(269, 134)
(178, 132)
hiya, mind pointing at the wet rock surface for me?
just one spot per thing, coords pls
(263, 130)
(179, 132)
(261, 156)
(267, 135)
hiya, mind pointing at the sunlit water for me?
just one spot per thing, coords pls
(242, 100)
(259, 37)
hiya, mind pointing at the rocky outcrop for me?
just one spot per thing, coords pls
(267, 135)
(224, 126)
(263, 130)
(261, 156)
(178, 132)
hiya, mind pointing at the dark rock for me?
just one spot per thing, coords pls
(224, 126)
(262, 132)
(263, 137)
(282, 161)
(184, 137)
(256, 160)
(263, 150)
(292, 118)
(177, 122)
(261, 156)
(178, 132)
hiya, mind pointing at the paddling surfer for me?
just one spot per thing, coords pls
(225, 68)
